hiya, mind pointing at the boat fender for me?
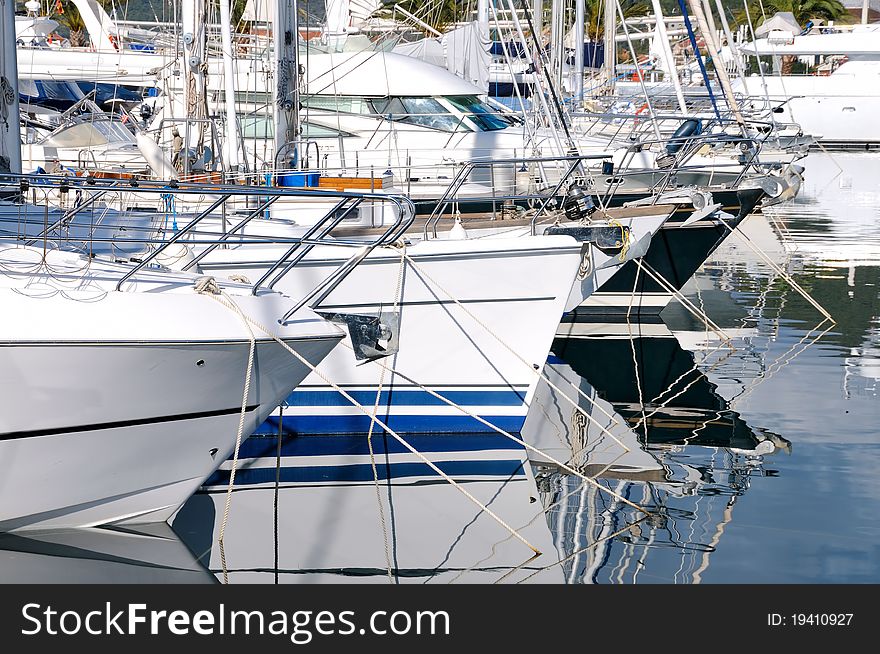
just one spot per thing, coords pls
(689, 128)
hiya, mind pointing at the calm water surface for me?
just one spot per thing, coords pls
(685, 458)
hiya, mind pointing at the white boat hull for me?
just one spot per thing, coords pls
(107, 466)
(477, 318)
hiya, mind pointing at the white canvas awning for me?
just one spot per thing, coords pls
(783, 21)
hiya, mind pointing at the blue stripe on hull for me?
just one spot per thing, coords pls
(408, 397)
(364, 472)
(411, 424)
(351, 445)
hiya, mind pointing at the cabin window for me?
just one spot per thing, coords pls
(482, 115)
(424, 112)
(263, 127)
(339, 103)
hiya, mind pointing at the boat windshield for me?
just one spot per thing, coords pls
(425, 112)
(481, 114)
(91, 133)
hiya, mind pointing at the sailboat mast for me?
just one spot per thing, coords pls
(610, 27)
(663, 38)
(538, 18)
(194, 65)
(720, 71)
(579, 8)
(10, 132)
(483, 17)
(285, 35)
(230, 159)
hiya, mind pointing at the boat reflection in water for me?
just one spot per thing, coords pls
(673, 448)
(146, 554)
(312, 514)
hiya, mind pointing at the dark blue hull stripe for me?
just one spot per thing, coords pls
(395, 397)
(416, 424)
(356, 445)
(364, 472)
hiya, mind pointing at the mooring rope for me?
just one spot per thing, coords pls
(507, 434)
(208, 286)
(378, 422)
(373, 422)
(516, 354)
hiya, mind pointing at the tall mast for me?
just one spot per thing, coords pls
(230, 159)
(610, 27)
(579, 8)
(663, 37)
(720, 71)
(194, 22)
(556, 15)
(483, 17)
(10, 132)
(538, 18)
(285, 36)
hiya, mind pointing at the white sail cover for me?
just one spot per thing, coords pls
(463, 52)
(344, 17)
(429, 50)
(467, 54)
(98, 24)
(570, 41)
(361, 10)
(783, 21)
(259, 11)
(337, 26)
(658, 54)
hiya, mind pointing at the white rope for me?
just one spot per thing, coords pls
(372, 424)
(208, 286)
(632, 345)
(687, 304)
(394, 434)
(516, 440)
(516, 354)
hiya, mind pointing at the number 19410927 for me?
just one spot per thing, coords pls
(809, 619)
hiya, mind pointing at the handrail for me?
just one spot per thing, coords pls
(323, 289)
(318, 230)
(346, 203)
(256, 212)
(180, 234)
(66, 216)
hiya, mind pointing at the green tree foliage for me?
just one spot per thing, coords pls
(438, 13)
(67, 15)
(594, 14)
